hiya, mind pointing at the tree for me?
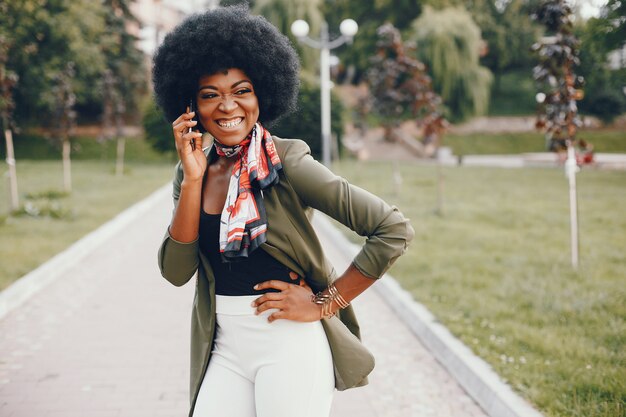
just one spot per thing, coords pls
(122, 57)
(64, 117)
(559, 89)
(370, 16)
(559, 86)
(613, 18)
(45, 35)
(599, 36)
(124, 74)
(158, 132)
(450, 44)
(399, 82)
(8, 80)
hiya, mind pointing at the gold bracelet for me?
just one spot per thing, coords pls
(326, 301)
(337, 297)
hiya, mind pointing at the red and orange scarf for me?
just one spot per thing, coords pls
(243, 224)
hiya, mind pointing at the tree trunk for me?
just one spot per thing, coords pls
(121, 146)
(14, 196)
(570, 169)
(67, 168)
(440, 188)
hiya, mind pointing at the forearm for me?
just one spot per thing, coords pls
(350, 285)
(185, 223)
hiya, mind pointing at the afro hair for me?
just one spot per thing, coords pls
(223, 38)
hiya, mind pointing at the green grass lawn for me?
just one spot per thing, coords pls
(495, 269)
(604, 141)
(98, 195)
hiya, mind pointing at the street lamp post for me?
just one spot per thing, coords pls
(348, 29)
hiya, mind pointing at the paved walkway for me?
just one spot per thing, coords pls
(111, 339)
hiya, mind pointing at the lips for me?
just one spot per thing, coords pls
(229, 123)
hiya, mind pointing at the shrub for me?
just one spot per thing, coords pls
(158, 131)
(305, 123)
(606, 105)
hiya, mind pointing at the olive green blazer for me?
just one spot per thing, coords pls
(304, 185)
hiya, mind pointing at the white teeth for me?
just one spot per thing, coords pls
(230, 123)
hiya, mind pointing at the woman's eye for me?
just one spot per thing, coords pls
(243, 91)
(208, 96)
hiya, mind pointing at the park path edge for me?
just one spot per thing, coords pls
(475, 375)
(21, 290)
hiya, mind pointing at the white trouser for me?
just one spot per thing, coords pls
(262, 369)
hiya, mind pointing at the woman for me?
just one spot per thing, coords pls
(273, 333)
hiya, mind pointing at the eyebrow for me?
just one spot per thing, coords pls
(232, 86)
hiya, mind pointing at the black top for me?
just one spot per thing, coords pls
(239, 277)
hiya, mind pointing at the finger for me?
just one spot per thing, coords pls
(293, 275)
(277, 316)
(194, 134)
(185, 116)
(184, 125)
(268, 305)
(273, 283)
(270, 296)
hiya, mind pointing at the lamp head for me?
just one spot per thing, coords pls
(348, 28)
(300, 28)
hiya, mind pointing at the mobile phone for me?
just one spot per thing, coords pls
(191, 109)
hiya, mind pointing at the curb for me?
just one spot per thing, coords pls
(477, 377)
(21, 290)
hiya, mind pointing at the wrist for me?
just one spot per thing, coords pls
(191, 183)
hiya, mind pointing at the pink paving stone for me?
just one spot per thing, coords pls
(111, 338)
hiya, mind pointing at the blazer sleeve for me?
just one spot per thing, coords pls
(178, 261)
(388, 232)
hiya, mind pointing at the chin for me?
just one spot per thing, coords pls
(231, 138)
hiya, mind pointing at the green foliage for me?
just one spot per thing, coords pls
(282, 13)
(305, 124)
(158, 132)
(42, 207)
(44, 35)
(369, 15)
(613, 23)
(507, 30)
(603, 86)
(122, 57)
(450, 43)
(606, 104)
(513, 93)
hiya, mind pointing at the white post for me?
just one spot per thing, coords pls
(570, 171)
(119, 165)
(67, 169)
(15, 202)
(325, 94)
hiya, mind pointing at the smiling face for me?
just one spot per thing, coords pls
(227, 106)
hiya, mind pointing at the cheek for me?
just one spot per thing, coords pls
(203, 118)
(253, 110)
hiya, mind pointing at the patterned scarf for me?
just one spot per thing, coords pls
(243, 224)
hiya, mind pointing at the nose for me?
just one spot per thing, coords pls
(227, 103)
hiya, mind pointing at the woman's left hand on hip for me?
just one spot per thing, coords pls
(293, 302)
